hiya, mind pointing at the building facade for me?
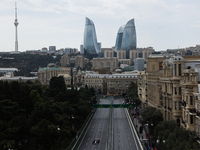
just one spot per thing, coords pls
(77, 61)
(45, 74)
(141, 53)
(65, 61)
(98, 63)
(97, 81)
(125, 61)
(117, 84)
(121, 54)
(108, 53)
(171, 85)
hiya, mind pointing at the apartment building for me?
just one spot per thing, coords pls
(77, 61)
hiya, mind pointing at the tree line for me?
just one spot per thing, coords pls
(167, 135)
(37, 117)
(27, 63)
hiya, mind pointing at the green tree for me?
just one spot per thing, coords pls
(35, 97)
(133, 93)
(57, 85)
(176, 138)
(152, 117)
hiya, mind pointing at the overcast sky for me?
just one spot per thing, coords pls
(162, 24)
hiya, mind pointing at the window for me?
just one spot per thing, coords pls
(175, 104)
(140, 55)
(179, 69)
(175, 90)
(160, 65)
(191, 119)
(175, 69)
(179, 90)
(191, 100)
(179, 105)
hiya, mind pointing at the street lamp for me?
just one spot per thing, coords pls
(164, 141)
(160, 142)
(157, 141)
(59, 136)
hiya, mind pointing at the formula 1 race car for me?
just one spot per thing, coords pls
(96, 142)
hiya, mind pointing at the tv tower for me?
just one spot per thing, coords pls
(16, 24)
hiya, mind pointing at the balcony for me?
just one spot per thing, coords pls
(192, 112)
(169, 94)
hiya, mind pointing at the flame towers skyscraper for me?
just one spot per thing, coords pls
(16, 24)
(90, 45)
(126, 37)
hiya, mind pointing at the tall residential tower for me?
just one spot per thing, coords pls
(16, 24)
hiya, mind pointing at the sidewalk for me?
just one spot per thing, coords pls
(142, 130)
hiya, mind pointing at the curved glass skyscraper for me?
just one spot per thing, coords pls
(90, 44)
(119, 38)
(128, 34)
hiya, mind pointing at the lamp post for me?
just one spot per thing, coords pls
(160, 142)
(59, 136)
(71, 122)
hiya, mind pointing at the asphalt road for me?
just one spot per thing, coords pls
(98, 128)
(123, 136)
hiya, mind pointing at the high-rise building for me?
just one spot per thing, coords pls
(70, 50)
(90, 44)
(16, 24)
(81, 50)
(52, 49)
(119, 38)
(126, 37)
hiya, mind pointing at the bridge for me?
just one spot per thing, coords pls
(114, 106)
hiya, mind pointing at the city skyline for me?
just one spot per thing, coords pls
(162, 24)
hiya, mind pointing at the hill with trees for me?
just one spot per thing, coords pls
(27, 63)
